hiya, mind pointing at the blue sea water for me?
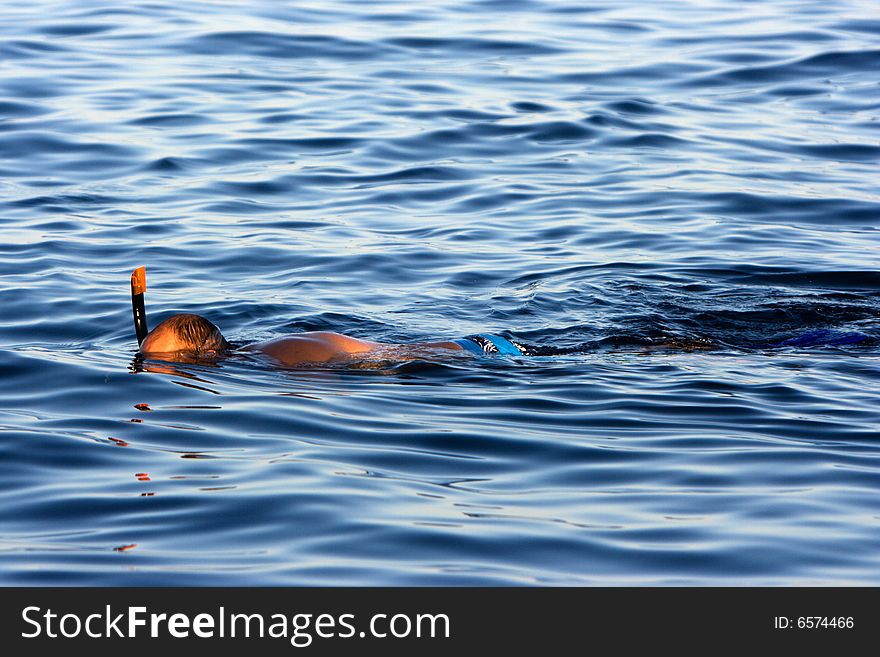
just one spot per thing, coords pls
(655, 188)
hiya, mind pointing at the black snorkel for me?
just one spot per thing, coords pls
(138, 287)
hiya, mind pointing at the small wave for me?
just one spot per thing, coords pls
(295, 144)
(549, 131)
(76, 29)
(10, 109)
(648, 140)
(169, 164)
(478, 46)
(170, 120)
(795, 209)
(281, 46)
(28, 48)
(529, 106)
(833, 64)
(636, 106)
(36, 144)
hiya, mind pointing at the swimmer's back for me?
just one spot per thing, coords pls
(312, 347)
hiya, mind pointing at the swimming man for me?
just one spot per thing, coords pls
(186, 336)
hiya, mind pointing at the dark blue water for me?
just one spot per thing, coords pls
(652, 188)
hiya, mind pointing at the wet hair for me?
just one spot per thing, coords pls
(196, 332)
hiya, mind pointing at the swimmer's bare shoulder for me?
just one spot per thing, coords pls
(312, 347)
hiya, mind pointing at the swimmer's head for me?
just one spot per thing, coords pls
(187, 334)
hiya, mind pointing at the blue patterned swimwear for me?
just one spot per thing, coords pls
(486, 343)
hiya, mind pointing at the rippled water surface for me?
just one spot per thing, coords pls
(651, 188)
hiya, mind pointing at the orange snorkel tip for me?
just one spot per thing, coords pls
(139, 280)
(138, 287)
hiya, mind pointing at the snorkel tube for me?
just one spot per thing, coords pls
(138, 287)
